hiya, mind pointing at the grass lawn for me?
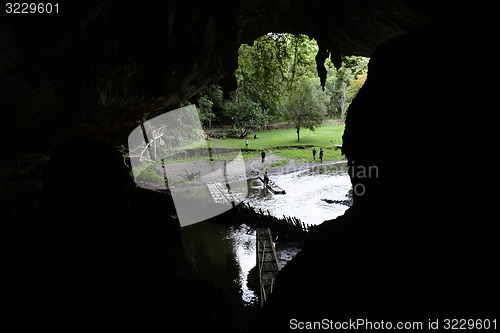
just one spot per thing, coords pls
(283, 142)
(280, 142)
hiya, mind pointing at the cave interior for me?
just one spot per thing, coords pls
(84, 250)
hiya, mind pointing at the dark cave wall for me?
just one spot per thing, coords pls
(102, 255)
(97, 67)
(419, 243)
(422, 112)
(421, 117)
(105, 65)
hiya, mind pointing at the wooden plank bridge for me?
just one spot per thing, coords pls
(267, 263)
(221, 194)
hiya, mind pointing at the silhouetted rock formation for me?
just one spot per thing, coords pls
(96, 253)
(106, 256)
(98, 66)
(419, 243)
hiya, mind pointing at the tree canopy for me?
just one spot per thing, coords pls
(278, 81)
(305, 106)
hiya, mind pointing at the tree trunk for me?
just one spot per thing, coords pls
(343, 87)
(298, 134)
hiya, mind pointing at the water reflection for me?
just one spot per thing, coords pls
(244, 248)
(305, 191)
(226, 254)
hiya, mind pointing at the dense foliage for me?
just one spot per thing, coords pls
(278, 81)
(305, 106)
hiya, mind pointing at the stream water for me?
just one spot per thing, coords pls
(307, 193)
(226, 254)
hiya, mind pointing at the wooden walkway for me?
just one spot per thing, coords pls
(267, 263)
(220, 193)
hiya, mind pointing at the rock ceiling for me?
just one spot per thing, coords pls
(98, 66)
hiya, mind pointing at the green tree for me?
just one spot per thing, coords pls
(245, 114)
(205, 110)
(261, 70)
(305, 106)
(216, 111)
(343, 84)
(303, 63)
(269, 68)
(340, 97)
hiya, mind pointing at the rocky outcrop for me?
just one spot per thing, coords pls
(101, 255)
(97, 67)
(418, 243)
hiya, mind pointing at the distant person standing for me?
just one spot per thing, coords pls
(266, 179)
(246, 143)
(314, 153)
(263, 155)
(321, 155)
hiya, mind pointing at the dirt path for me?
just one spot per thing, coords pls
(256, 167)
(181, 171)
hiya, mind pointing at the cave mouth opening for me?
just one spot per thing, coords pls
(273, 66)
(443, 262)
